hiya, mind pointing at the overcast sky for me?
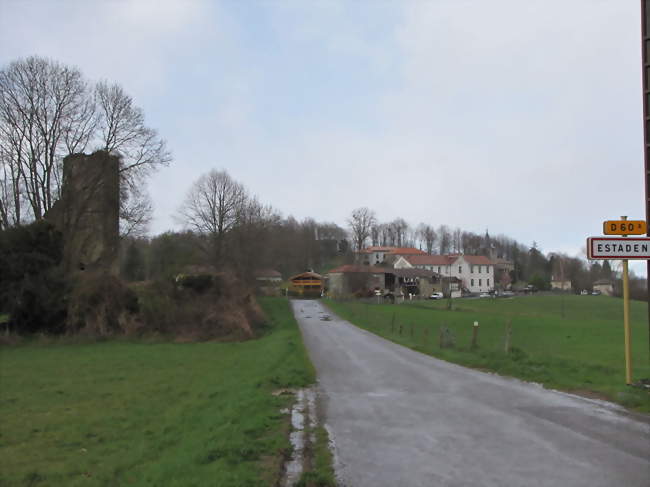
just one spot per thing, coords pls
(521, 117)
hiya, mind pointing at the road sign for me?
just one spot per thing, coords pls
(625, 227)
(618, 248)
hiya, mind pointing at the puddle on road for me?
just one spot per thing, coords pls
(303, 412)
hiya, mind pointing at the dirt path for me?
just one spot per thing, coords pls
(400, 418)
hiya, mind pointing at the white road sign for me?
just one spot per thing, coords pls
(618, 248)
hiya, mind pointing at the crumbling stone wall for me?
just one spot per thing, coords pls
(88, 213)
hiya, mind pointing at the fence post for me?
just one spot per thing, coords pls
(508, 335)
(475, 335)
(400, 329)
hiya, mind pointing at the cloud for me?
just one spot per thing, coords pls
(129, 41)
(520, 117)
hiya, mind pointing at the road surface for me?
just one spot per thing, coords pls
(401, 418)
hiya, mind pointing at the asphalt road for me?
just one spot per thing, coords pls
(401, 418)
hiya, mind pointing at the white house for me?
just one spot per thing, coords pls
(560, 284)
(476, 272)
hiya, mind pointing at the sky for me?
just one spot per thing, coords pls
(521, 118)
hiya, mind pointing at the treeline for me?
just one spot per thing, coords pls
(285, 245)
(226, 227)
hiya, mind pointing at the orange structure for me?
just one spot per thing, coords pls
(306, 284)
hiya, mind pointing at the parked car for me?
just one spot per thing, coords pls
(485, 295)
(584, 292)
(437, 296)
(507, 293)
(596, 293)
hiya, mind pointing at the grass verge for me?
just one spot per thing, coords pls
(572, 343)
(321, 471)
(120, 413)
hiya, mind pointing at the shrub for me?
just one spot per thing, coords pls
(32, 287)
(195, 308)
(101, 304)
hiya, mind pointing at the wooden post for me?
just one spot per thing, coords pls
(645, 69)
(475, 336)
(508, 335)
(400, 330)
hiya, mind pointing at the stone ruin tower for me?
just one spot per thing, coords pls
(88, 213)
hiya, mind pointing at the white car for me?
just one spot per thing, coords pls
(437, 296)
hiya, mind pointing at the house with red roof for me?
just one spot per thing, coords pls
(476, 272)
(380, 255)
(354, 278)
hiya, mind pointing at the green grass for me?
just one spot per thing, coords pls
(321, 473)
(119, 413)
(4, 317)
(567, 342)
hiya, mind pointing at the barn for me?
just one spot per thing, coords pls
(306, 284)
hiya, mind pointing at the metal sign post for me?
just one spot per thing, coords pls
(623, 248)
(626, 319)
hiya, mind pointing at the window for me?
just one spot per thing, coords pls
(471, 269)
(479, 281)
(460, 269)
(472, 282)
(438, 269)
(488, 282)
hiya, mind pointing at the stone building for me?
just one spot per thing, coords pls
(87, 214)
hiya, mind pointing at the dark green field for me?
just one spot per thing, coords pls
(569, 342)
(119, 413)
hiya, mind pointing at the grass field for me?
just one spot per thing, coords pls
(119, 413)
(568, 342)
(4, 317)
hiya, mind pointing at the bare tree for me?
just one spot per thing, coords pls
(213, 207)
(45, 111)
(136, 209)
(361, 221)
(444, 239)
(121, 129)
(428, 235)
(456, 241)
(399, 229)
(375, 233)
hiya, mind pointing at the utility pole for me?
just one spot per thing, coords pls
(645, 67)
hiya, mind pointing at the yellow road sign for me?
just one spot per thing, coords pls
(625, 227)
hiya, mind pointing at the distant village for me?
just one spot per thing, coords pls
(399, 273)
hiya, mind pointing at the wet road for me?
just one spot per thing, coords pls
(400, 418)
